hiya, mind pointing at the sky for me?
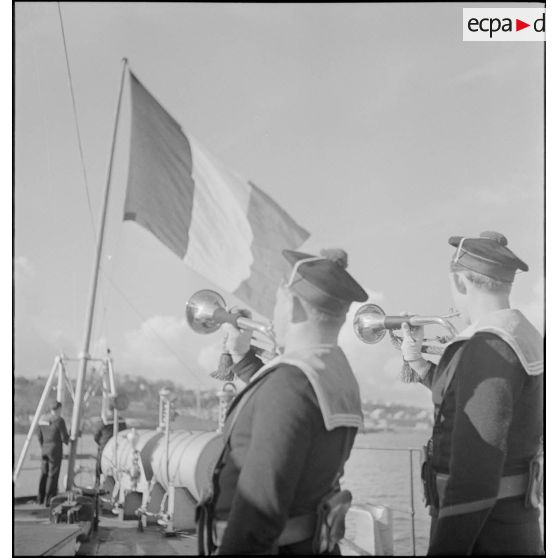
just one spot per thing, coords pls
(374, 125)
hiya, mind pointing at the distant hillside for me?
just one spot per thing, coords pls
(144, 407)
(142, 412)
(393, 416)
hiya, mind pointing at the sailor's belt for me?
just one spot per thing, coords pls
(297, 529)
(510, 486)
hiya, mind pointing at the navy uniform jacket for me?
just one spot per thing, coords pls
(489, 425)
(282, 461)
(52, 433)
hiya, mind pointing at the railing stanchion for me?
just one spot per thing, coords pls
(412, 501)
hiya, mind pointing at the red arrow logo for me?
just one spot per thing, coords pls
(519, 25)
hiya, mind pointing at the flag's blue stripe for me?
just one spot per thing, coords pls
(160, 192)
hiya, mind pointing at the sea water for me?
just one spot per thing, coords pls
(378, 472)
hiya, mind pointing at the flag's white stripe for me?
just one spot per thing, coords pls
(220, 235)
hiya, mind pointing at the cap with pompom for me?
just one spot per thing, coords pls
(487, 254)
(323, 280)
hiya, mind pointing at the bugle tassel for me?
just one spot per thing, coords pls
(407, 374)
(224, 369)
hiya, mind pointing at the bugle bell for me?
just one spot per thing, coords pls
(206, 312)
(371, 323)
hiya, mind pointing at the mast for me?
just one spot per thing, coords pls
(84, 355)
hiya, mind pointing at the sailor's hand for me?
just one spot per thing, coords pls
(237, 342)
(413, 338)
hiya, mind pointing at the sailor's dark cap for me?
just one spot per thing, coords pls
(488, 255)
(119, 402)
(323, 280)
(56, 405)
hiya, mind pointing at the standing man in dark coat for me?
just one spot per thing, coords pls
(483, 471)
(292, 428)
(52, 434)
(103, 434)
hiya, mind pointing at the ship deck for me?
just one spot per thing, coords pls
(115, 537)
(34, 535)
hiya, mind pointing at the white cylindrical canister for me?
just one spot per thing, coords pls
(191, 457)
(124, 457)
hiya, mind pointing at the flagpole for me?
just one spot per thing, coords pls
(84, 355)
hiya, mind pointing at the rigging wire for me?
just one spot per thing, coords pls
(74, 106)
(107, 275)
(76, 122)
(190, 370)
(103, 323)
(82, 158)
(78, 133)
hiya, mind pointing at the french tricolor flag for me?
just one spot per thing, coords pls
(221, 225)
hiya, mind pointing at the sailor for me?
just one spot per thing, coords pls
(236, 345)
(483, 469)
(52, 433)
(104, 433)
(290, 431)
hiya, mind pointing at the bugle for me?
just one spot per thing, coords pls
(206, 312)
(371, 324)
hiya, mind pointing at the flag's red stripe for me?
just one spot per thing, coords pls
(274, 230)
